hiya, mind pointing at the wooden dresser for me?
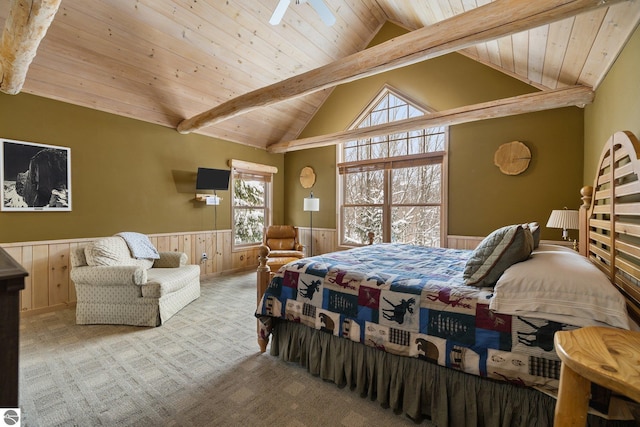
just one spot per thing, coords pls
(11, 283)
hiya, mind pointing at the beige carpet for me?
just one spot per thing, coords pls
(201, 368)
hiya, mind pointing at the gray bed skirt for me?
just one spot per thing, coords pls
(417, 388)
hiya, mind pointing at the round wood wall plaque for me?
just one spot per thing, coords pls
(307, 177)
(512, 158)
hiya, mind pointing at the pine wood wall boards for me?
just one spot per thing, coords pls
(48, 286)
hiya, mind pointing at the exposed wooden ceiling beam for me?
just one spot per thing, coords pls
(529, 103)
(489, 22)
(26, 26)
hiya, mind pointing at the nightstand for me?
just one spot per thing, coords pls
(606, 356)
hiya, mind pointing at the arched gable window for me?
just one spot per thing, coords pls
(393, 184)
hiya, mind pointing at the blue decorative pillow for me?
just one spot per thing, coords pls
(497, 252)
(139, 245)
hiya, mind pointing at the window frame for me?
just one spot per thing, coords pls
(267, 178)
(386, 164)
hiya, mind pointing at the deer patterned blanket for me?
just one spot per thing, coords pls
(411, 301)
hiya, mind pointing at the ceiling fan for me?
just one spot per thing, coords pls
(322, 9)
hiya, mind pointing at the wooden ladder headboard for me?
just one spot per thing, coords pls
(610, 223)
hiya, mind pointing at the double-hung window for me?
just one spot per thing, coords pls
(393, 184)
(251, 206)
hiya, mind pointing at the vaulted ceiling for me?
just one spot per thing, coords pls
(163, 61)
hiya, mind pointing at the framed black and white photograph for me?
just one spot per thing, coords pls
(35, 177)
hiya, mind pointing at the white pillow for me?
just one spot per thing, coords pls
(112, 251)
(546, 247)
(559, 284)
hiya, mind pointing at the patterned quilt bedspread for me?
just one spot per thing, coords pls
(411, 301)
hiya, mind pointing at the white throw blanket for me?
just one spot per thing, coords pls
(139, 245)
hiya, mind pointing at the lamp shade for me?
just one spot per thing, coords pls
(564, 218)
(311, 204)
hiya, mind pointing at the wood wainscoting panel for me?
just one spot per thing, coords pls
(58, 268)
(23, 256)
(72, 288)
(49, 287)
(244, 258)
(463, 242)
(198, 247)
(324, 240)
(223, 253)
(40, 276)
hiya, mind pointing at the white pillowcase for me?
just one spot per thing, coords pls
(559, 284)
(545, 247)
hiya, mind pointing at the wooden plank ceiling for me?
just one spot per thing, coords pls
(163, 61)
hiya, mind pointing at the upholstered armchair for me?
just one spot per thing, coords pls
(284, 247)
(114, 287)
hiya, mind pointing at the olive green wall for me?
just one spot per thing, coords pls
(616, 106)
(480, 197)
(126, 175)
(323, 161)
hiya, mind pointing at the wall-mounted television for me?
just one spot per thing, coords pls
(212, 179)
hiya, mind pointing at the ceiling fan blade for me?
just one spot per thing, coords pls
(323, 11)
(279, 12)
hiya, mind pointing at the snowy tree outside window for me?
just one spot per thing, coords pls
(250, 207)
(392, 184)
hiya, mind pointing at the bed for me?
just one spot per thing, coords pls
(464, 337)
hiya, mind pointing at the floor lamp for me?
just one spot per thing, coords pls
(311, 205)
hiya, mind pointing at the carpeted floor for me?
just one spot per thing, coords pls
(201, 368)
